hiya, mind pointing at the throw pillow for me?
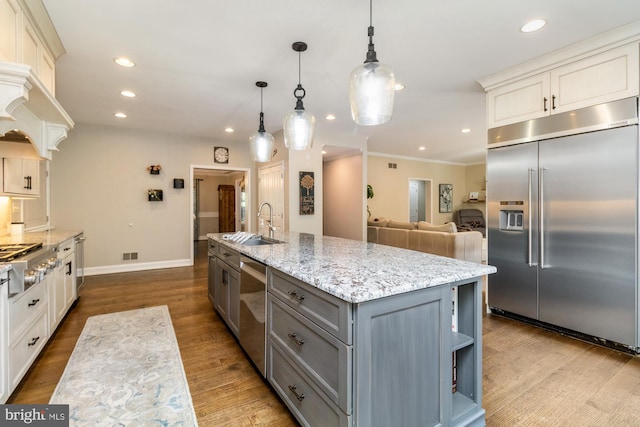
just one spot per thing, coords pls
(449, 227)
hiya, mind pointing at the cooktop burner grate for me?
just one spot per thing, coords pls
(11, 251)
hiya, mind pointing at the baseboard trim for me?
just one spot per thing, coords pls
(126, 268)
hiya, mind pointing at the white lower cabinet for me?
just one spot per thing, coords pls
(57, 306)
(25, 348)
(28, 319)
(62, 285)
(4, 359)
(28, 330)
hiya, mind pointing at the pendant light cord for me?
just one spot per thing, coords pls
(371, 53)
(261, 127)
(299, 67)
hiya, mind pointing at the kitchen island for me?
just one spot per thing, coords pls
(366, 334)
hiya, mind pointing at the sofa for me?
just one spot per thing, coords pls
(444, 240)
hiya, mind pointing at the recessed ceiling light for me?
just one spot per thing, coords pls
(465, 130)
(330, 117)
(398, 86)
(533, 25)
(128, 94)
(229, 130)
(125, 62)
(120, 115)
(422, 148)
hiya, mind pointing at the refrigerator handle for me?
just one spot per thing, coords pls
(541, 185)
(531, 170)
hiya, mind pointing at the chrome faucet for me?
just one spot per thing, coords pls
(272, 228)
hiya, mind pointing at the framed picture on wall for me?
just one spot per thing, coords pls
(307, 184)
(446, 197)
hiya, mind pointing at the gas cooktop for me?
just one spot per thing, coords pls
(11, 251)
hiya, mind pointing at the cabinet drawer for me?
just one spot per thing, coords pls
(323, 357)
(24, 308)
(307, 402)
(27, 346)
(329, 312)
(229, 256)
(66, 248)
(213, 247)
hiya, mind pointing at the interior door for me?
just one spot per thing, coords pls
(227, 208)
(588, 221)
(413, 201)
(512, 228)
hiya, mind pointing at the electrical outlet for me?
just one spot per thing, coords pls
(134, 255)
(126, 256)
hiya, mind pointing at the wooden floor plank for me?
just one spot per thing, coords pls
(531, 377)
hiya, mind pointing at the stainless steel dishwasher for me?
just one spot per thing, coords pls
(253, 305)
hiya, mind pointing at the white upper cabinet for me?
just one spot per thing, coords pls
(523, 100)
(9, 25)
(596, 79)
(21, 177)
(602, 78)
(22, 43)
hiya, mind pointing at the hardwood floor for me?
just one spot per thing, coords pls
(532, 377)
(225, 388)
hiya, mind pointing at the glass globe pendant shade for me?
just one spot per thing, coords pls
(298, 127)
(261, 145)
(371, 93)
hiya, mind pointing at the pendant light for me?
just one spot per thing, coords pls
(261, 143)
(299, 125)
(371, 87)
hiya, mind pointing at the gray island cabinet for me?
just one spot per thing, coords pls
(360, 334)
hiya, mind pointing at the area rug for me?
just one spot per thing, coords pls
(126, 371)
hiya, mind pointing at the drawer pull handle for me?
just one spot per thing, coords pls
(292, 389)
(295, 339)
(33, 302)
(295, 296)
(33, 341)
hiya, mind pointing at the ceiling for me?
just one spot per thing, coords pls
(197, 62)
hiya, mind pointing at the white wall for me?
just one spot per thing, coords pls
(311, 161)
(391, 186)
(99, 183)
(343, 192)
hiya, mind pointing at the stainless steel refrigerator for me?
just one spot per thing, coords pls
(562, 196)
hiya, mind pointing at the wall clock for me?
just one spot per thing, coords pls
(221, 155)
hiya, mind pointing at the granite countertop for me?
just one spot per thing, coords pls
(357, 271)
(48, 238)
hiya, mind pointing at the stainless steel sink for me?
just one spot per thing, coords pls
(261, 240)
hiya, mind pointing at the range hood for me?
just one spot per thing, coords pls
(28, 111)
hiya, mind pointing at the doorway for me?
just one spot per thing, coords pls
(420, 206)
(205, 210)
